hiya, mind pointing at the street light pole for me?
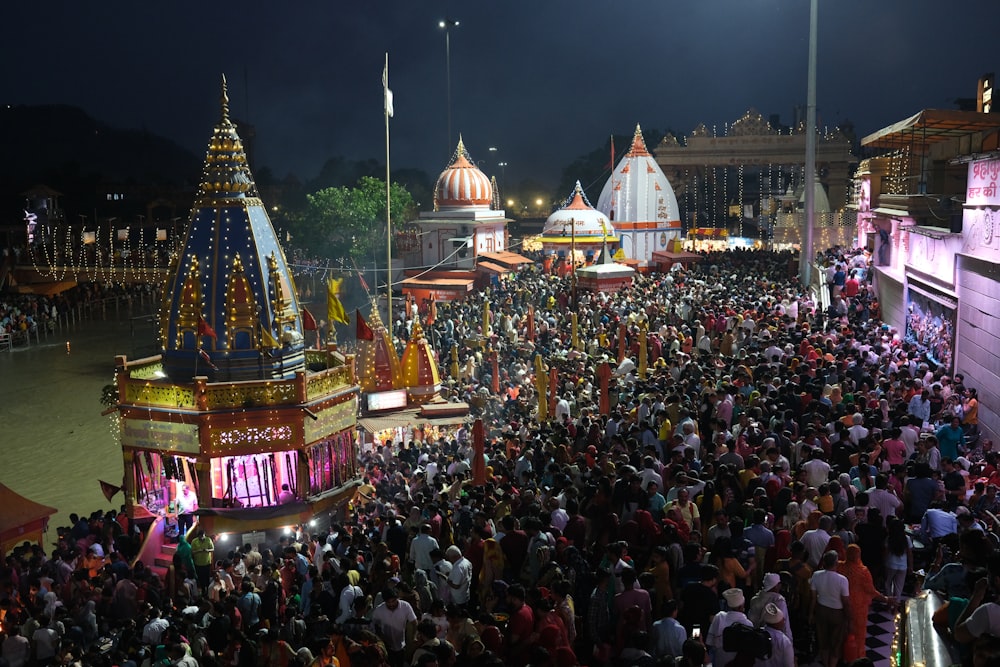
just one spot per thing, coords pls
(447, 24)
(806, 252)
(503, 176)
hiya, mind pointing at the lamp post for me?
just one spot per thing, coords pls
(447, 24)
(806, 252)
(503, 176)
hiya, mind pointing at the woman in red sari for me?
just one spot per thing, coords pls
(863, 591)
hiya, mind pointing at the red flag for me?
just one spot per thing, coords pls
(205, 330)
(308, 321)
(109, 490)
(363, 332)
(207, 359)
(611, 162)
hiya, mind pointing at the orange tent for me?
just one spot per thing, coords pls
(21, 519)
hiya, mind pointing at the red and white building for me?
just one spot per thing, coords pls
(640, 202)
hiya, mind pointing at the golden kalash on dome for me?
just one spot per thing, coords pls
(235, 408)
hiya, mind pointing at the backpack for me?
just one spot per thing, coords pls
(746, 640)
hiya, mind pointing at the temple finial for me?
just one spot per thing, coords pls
(225, 100)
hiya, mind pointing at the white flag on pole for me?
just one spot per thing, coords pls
(386, 91)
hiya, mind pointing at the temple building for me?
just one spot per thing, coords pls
(927, 208)
(464, 239)
(235, 408)
(640, 203)
(576, 227)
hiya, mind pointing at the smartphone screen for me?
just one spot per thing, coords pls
(696, 632)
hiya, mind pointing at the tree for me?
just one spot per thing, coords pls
(350, 222)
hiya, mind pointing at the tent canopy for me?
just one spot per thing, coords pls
(21, 519)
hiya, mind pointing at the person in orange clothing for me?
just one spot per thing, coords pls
(863, 591)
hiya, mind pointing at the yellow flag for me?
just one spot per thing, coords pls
(268, 339)
(334, 308)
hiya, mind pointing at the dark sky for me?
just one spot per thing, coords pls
(545, 81)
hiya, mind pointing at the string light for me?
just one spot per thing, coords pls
(740, 185)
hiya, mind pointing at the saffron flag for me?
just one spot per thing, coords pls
(334, 308)
(385, 88)
(364, 283)
(268, 339)
(109, 490)
(204, 329)
(207, 359)
(363, 332)
(611, 162)
(308, 321)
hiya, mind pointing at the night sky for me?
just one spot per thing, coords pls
(545, 81)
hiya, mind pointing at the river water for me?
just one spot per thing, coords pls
(55, 443)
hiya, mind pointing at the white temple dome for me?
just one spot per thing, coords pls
(638, 191)
(579, 218)
(462, 184)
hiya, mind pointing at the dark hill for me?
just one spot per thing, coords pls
(68, 150)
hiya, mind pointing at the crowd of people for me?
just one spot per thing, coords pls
(22, 315)
(765, 473)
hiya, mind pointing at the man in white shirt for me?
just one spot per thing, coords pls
(817, 470)
(153, 631)
(829, 610)
(886, 501)
(782, 651)
(735, 601)
(421, 548)
(16, 648)
(392, 621)
(460, 577)
(858, 431)
(909, 434)
(815, 540)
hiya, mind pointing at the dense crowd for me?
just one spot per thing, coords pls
(774, 472)
(23, 314)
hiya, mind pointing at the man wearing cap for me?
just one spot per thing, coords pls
(782, 651)
(769, 596)
(735, 602)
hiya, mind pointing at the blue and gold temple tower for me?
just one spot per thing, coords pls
(229, 309)
(236, 407)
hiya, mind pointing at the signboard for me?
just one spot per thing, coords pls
(387, 400)
(334, 419)
(982, 184)
(161, 436)
(255, 538)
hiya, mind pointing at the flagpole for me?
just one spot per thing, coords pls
(388, 206)
(197, 352)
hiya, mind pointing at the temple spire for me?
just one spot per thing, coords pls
(638, 147)
(224, 100)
